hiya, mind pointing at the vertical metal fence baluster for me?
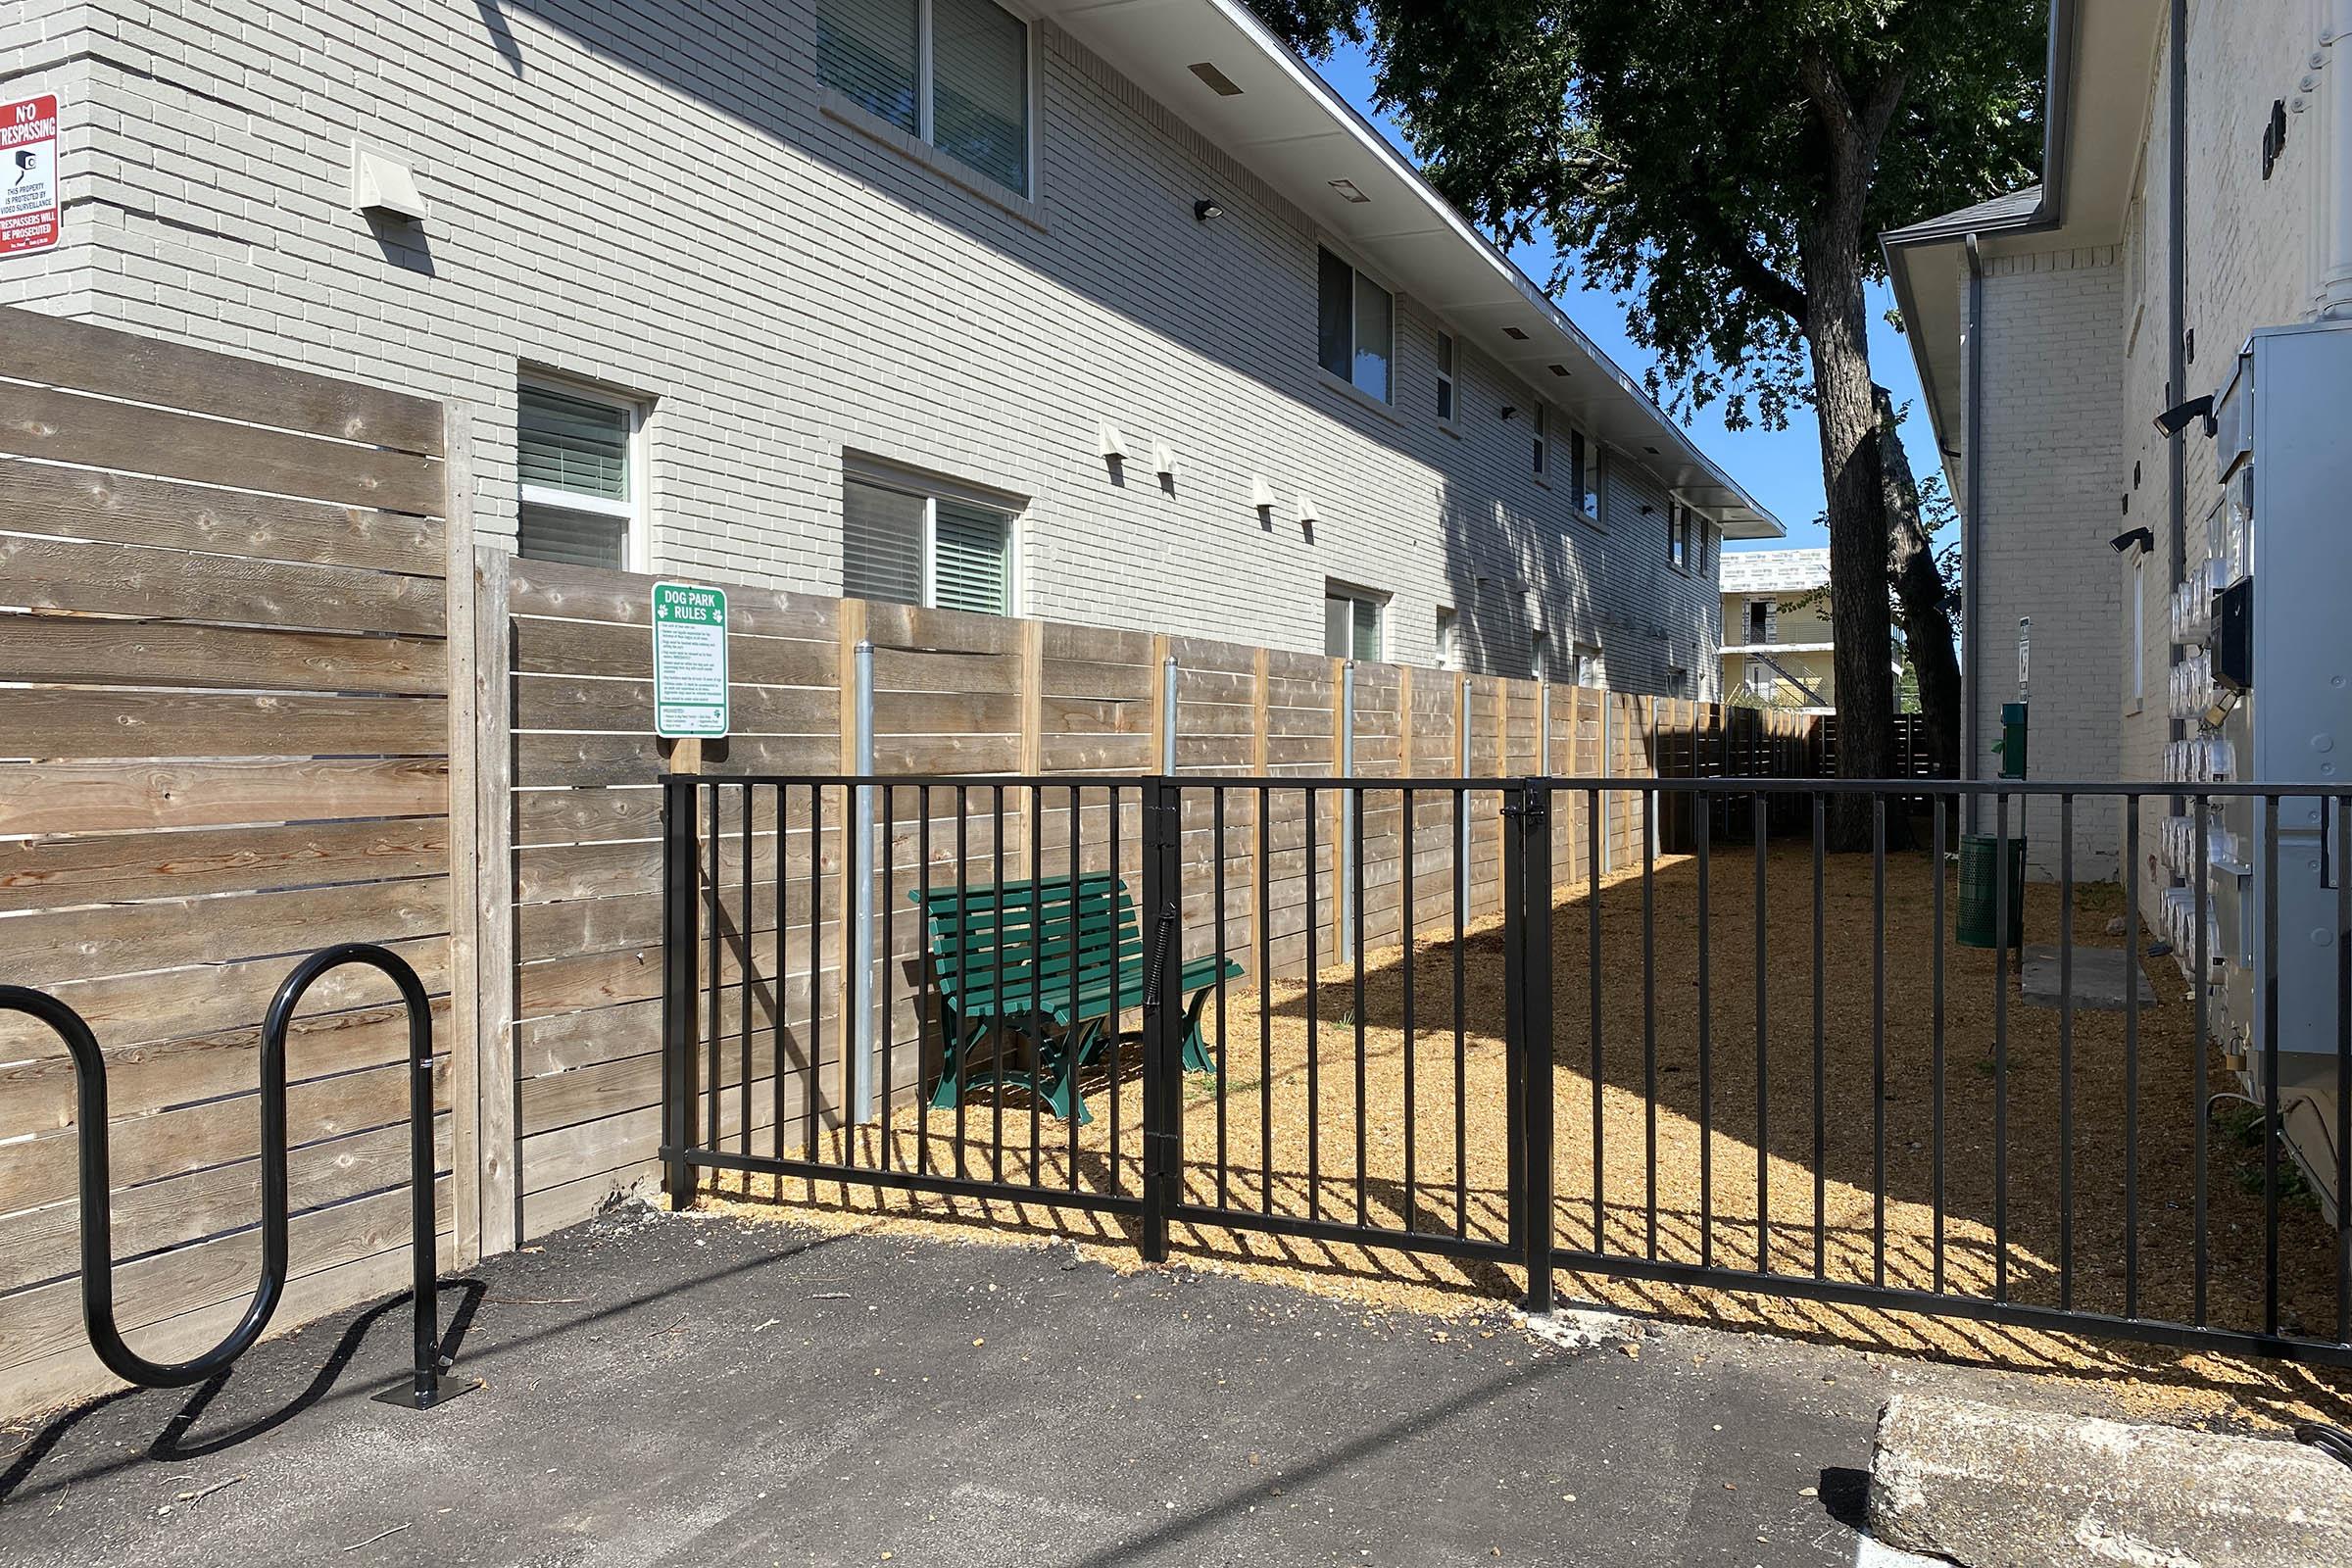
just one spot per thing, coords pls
(1877, 1038)
(1937, 1048)
(1649, 1017)
(2066, 1045)
(750, 971)
(1353, 800)
(924, 1092)
(2270, 1064)
(1593, 808)
(1118, 1046)
(995, 986)
(1763, 1054)
(1821, 1086)
(1412, 1022)
(779, 1113)
(816, 958)
(1702, 813)
(2131, 1058)
(888, 1028)
(964, 1023)
(1265, 1006)
(714, 1078)
(1216, 798)
(1314, 1032)
(1073, 1031)
(1462, 1046)
(2343, 1061)
(2201, 1110)
(1036, 1030)
(2003, 935)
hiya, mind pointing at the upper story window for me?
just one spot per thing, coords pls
(1678, 535)
(953, 73)
(1759, 620)
(1355, 328)
(1539, 655)
(1446, 377)
(576, 454)
(1449, 639)
(1584, 474)
(1542, 456)
(1350, 623)
(906, 544)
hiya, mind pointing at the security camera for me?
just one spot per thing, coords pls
(2135, 536)
(2172, 421)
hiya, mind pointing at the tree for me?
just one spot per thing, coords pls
(1730, 165)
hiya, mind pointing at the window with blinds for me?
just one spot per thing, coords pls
(1350, 626)
(951, 72)
(579, 489)
(904, 547)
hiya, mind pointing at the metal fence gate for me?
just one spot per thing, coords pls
(1332, 1011)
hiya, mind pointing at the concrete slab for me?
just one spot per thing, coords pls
(1998, 1487)
(2100, 976)
(689, 1390)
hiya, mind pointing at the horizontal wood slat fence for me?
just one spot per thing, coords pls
(261, 691)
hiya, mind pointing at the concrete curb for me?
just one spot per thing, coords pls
(1994, 1488)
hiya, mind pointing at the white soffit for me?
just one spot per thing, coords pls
(1288, 127)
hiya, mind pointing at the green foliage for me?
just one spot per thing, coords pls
(1676, 149)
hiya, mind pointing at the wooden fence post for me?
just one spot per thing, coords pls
(493, 897)
(467, 918)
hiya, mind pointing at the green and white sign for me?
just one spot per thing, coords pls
(690, 660)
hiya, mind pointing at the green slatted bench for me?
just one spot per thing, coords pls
(1031, 934)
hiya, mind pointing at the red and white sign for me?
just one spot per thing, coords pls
(28, 214)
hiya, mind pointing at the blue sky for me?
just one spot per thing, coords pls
(1782, 468)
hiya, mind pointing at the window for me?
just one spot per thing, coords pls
(1584, 474)
(907, 546)
(1355, 326)
(1449, 639)
(1759, 620)
(576, 456)
(1678, 535)
(1543, 431)
(1351, 624)
(1539, 655)
(1678, 682)
(951, 72)
(1583, 667)
(1705, 547)
(1446, 377)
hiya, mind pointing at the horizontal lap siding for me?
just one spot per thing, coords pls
(229, 713)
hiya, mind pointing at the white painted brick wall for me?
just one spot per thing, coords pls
(657, 200)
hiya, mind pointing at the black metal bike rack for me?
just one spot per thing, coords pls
(425, 1389)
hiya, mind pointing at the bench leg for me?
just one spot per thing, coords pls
(950, 1089)
(1195, 1049)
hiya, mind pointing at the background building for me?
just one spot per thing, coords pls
(1778, 646)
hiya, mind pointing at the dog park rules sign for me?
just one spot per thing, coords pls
(28, 174)
(690, 661)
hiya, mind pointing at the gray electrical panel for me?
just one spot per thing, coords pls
(2265, 686)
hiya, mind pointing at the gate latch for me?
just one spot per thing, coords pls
(1159, 952)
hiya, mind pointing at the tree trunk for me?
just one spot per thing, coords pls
(1835, 333)
(1921, 596)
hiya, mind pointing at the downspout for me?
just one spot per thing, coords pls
(2332, 299)
(1972, 530)
(2176, 361)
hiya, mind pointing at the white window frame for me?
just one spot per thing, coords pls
(1450, 637)
(1449, 352)
(1585, 664)
(1584, 476)
(1335, 589)
(1357, 275)
(1539, 451)
(1678, 536)
(1538, 653)
(930, 491)
(925, 110)
(635, 548)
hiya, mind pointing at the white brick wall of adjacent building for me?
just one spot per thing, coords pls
(664, 200)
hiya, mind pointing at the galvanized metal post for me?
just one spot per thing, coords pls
(862, 874)
(1167, 712)
(1344, 848)
(680, 1003)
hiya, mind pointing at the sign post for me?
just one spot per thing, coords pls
(690, 661)
(28, 204)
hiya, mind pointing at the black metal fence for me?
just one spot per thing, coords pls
(1495, 1022)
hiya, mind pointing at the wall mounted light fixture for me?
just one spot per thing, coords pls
(1204, 209)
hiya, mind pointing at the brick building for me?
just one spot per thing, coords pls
(1115, 314)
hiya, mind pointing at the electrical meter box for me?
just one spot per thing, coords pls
(2266, 684)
